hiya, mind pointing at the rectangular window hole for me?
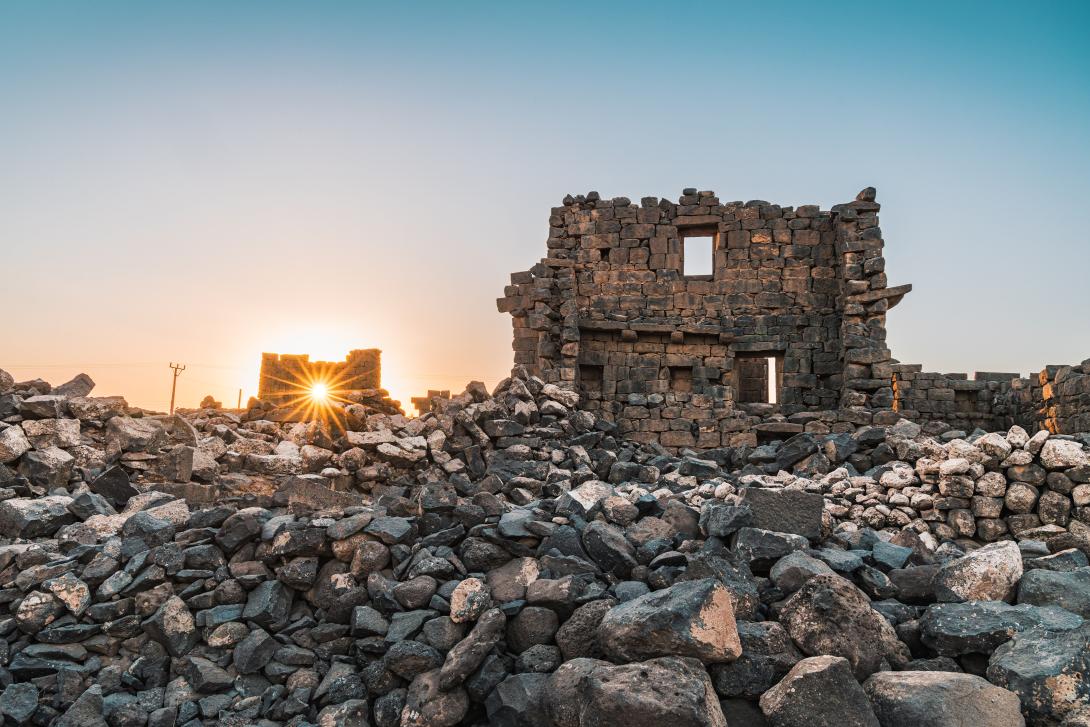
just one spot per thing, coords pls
(590, 377)
(757, 378)
(697, 255)
(681, 379)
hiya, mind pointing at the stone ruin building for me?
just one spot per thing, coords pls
(705, 324)
(425, 404)
(285, 377)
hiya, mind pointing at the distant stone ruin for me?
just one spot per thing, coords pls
(285, 378)
(424, 404)
(705, 324)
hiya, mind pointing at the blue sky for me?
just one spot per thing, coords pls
(202, 181)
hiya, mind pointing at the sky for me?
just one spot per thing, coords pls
(198, 182)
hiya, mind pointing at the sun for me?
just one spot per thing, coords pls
(319, 392)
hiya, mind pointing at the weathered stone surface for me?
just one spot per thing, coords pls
(13, 444)
(940, 699)
(723, 519)
(953, 629)
(518, 701)
(692, 619)
(768, 653)
(664, 691)
(794, 569)
(114, 485)
(172, 625)
(32, 518)
(428, 706)
(785, 511)
(578, 636)
(990, 573)
(1046, 669)
(830, 616)
(1069, 590)
(1063, 453)
(19, 701)
(819, 691)
(471, 598)
(468, 654)
(50, 467)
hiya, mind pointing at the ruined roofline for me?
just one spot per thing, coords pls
(690, 196)
(305, 357)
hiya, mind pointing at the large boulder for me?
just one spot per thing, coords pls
(34, 518)
(670, 691)
(818, 692)
(1063, 453)
(768, 653)
(785, 511)
(50, 467)
(13, 444)
(468, 654)
(126, 434)
(953, 629)
(1070, 590)
(45, 433)
(990, 573)
(691, 618)
(173, 626)
(829, 615)
(113, 484)
(96, 408)
(721, 519)
(79, 385)
(1048, 670)
(940, 699)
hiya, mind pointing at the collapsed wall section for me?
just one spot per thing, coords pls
(1056, 399)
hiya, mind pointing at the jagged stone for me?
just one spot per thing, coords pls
(691, 619)
(990, 573)
(830, 616)
(667, 690)
(940, 699)
(819, 691)
(954, 629)
(1069, 590)
(1046, 669)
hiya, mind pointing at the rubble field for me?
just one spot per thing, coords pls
(511, 559)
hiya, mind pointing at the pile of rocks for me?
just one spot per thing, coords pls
(507, 559)
(986, 486)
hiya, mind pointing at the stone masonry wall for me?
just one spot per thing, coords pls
(657, 351)
(961, 402)
(796, 295)
(1056, 399)
(285, 377)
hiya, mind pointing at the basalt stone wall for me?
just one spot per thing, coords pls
(980, 402)
(1056, 399)
(284, 377)
(795, 295)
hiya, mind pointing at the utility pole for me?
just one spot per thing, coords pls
(239, 399)
(178, 369)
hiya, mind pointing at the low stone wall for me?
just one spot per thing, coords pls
(957, 400)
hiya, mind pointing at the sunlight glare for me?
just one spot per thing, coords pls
(319, 391)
